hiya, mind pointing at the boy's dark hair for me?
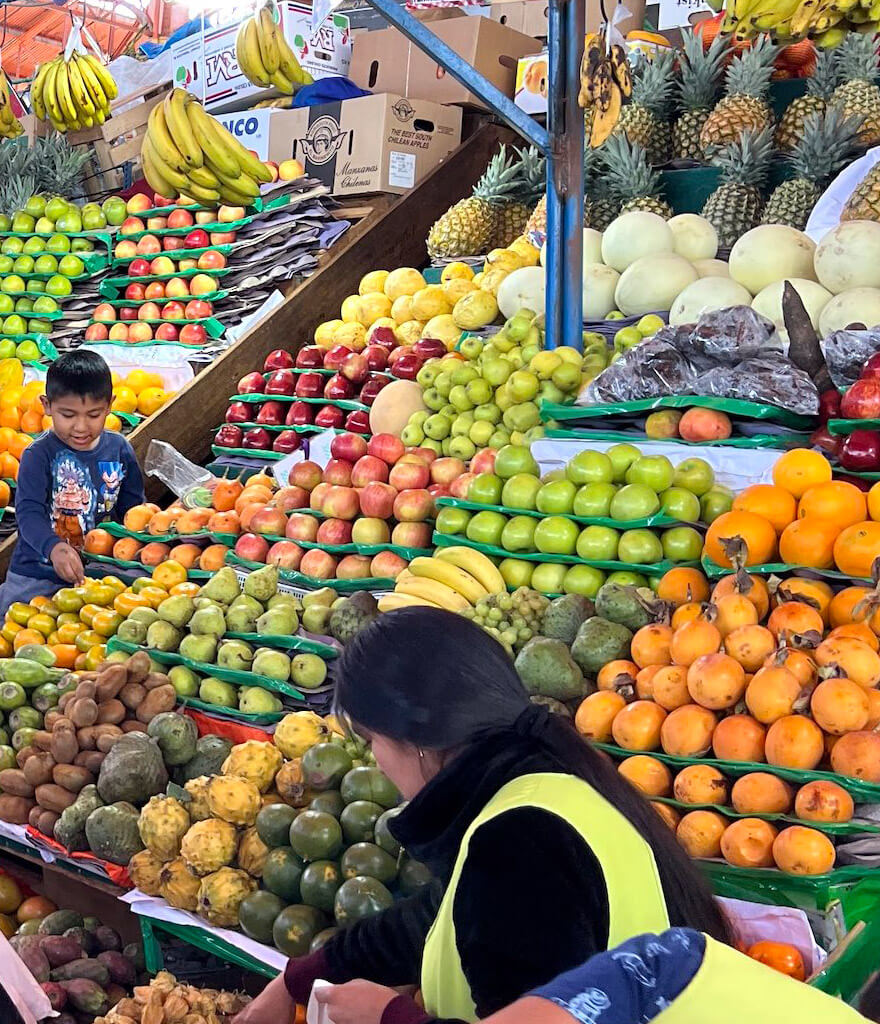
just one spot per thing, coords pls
(81, 373)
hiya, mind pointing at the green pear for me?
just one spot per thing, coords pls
(184, 680)
(199, 648)
(323, 597)
(132, 631)
(163, 636)
(215, 691)
(254, 700)
(262, 584)
(177, 610)
(208, 602)
(146, 615)
(208, 621)
(290, 600)
(235, 654)
(340, 602)
(242, 618)
(281, 620)
(222, 586)
(273, 664)
(316, 619)
(308, 671)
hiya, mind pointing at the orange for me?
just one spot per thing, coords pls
(856, 549)
(6, 649)
(150, 400)
(155, 595)
(774, 504)
(800, 469)
(756, 533)
(65, 654)
(874, 501)
(95, 656)
(18, 444)
(679, 586)
(32, 422)
(106, 622)
(6, 435)
(809, 542)
(69, 631)
(10, 396)
(124, 399)
(112, 422)
(42, 623)
(5, 494)
(839, 502)
(28, 636)
(10, 417)
(137, 380)
(8, 466)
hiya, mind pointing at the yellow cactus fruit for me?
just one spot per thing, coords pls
(252, 853)
(298, 731)
(403, 281)
(198, 805)
(408, 333)
(401, 309)
(476, 310)
(256, 761)
(457, 288)
(220, 896)
(179, 886)
(443, 329)
(429, 302)
(324, 333)
(234, 799)
(145, 870)
(372, 306)
(352, 334)
(209, 845)
(528, 253)
(492, 279)
(163, 822)
(373, 282)
(350, 310)
(291, 784)
(506, 259)
(456, 271)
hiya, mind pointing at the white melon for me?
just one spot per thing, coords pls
(653, 283)
(633, 235)
(704, 295)
(855, 306)
(849, 256)
(694, 237)
(522, 289)
(768, 302)
(771, 252)
(599, 285)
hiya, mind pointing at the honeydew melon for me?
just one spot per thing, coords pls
(768, 302)
(694, 237)
(522, 289)
(600, 283)
(634, 235)
(704, 295)
(849, 257)
(855, 306)
(771, 252)
(711, 268)
(653, 283)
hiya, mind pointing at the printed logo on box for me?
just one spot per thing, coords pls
(323, 140)
(403, 110)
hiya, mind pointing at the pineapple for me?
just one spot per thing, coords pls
(537, 224)
(735, 206)
(513, 217)
(645, 120)
(630, 178)
(856, 60)
(697, 89)
(820, 86)
(745, 102)
(826, 145)
(60, 166)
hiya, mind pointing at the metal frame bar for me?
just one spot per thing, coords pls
(562, 142)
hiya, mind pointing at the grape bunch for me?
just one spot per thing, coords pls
(513, 619)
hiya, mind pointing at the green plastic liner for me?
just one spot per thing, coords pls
(731, 406)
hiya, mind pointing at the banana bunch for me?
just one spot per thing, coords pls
(10, 126)
(606, 84)
(454, 578)
(73, 94)
(826, 22)
(265, 56)
(279, 102)
(187, 152)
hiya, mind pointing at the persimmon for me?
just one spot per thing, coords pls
(853, 658)
(645, 681)
(596, 714)
(98, 542)
(761, 793)
(669, 687)
(857, 756)
(799, 850)
(262, 480)
(824, 801)
(732, 611)
(668, 814)
(213, 558)
(716, 681)
(225, 495)
(647, 774)
(816, 593)
(160, 524)
(693, 640)
(781, 956)
(856, 549)
(153, 553)
(794, 742)
(799, 663)
(638, 725)
(839, 706)
(755, 532)
(138, 516)
(615, 674)
(186, 555)
(126, 549)
(873, 709)
(681, 586)
(750, 646)
(837, 502)
(856, 631)
(650, 645)
(809, 542)
(748, 843)
(800, 469)
(169, 572)
(687, 731)
(225, 522)
(700, 832)
(793, 618)
(685, 613)
(842, 610)
(739, 738)
(193, 520)
(700, 784)
(753, 587)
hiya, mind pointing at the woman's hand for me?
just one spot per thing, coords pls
(357, 1002)
(272, 1006)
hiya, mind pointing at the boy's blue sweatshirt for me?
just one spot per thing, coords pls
(63, 493)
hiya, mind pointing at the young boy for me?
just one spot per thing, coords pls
(71, 478)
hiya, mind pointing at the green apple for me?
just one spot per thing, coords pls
(432, 445)
(500, 438)
(6, 264)
(479, 391)
(520, 491)
(59, 285)
(567, 378)
(548, 577)
(46, 264)
(93, 220)
(23, 304)
(495, 371)
(443, 383)
(45, 305)
(649, 324)
(412, 435)
(437, 427)
(714, 503)
(680, 504)
(549, 392)
(626, 337)
(28, 351)
(39, 326)
(69, 222)
(584, 580)
(513, 459)
(23, 264)
(614, 314)
(14, 325)
(7, 347)
(485, 489)
(458, 397)
(639, 547)
(428, 374)
(58, 244)
(463, 374)
(461, 448)
(480, 433)
(556, 535)
(114, 210)
(44, 226)
(5, 222)
(82, 245)
(654, 471)
(71, 266)
(695, 475)
(523, 385)
(471, 347)
(7, 304)
(522, 417)
(516, 572)
(462, 424)
(682, 544)
(634, 501)
(23, 223)
(12, 284)
(503, 398)
(503, 341)
(444, 446)
(519, 533)
(12, 246)
(488, 413)
(589, 467)
(486, 528)
(33, 246)
(622, 457)
(598, 544)
(556, 498)
(433, 399)
(594, 500)
(56, 206)
(624, 578)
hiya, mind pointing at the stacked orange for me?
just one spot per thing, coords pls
(140, 391)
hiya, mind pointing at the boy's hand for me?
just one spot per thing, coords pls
(67, 563)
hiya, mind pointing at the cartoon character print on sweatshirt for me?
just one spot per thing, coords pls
(588, 1007)
(73, 499)
(112, 475)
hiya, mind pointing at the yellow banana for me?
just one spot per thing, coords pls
(108, 83)
(288, 63)
(100, 115)
(160, 136)
(269, 56)
(451, 575)
(81, 98)
(481, 567)
(214, 148)
(177, 180)
(281, 82)
(247, 161)
(51, 97)
(230, 197)
(391, 602)
(62, 91)
(37, 100)
(153, 173)
(831, 38)
(242, 183)
(204, 177)
(207, 196)
(431, 590)
(93, 85)
(250, 60)
(180, 129)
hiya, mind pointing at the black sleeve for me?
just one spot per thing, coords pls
(530, 904)
(387, 948)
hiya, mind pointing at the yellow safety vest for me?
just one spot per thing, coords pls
(731, 988)
(634, 907)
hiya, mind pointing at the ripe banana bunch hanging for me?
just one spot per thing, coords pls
(826, 22)
(454, 578)
(265, 56)
(606, 84)
(10, 126)
(187, 152)
(74, 93)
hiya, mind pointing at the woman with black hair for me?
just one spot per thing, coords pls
(543, 853)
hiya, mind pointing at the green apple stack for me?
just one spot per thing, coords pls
(488, 393)
(618, 512)
(628, 337)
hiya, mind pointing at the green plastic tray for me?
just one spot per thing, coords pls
(732, 406)
(312, 583)
(775, 441)
(201, 937)
(658, 519)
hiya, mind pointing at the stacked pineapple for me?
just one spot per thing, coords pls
(744, 105)
(630, 177)
(820, 89)
(698, 83)
(645, 121)
(856, 62)
(736, 205)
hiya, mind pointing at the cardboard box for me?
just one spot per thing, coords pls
(385, 61)
(382, 143)
(532, 83)
(526, 16)
(206, 65)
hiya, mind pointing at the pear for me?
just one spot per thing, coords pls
(199, 648)
(281, 620)
(242, 618)
(254, 700)
(308, 671)
(262, 584)
(235, 654)
(274, 664)
(251, 603)
(285, 599)
(339, 602)
(184, 681)
(208, 621)
(146, 615)
(163, 636)
(215, 691)
(177, 610)
(132, 631)
(316, 619)
(208, 602)
(222, 587)
(323, 597)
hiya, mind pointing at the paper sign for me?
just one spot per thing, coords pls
(401, 169)
(319, 447)
(675, 13)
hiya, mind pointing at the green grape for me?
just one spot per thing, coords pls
(495, 615)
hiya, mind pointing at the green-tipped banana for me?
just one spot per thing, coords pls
(269, 55)
(249, 58)
(153, 172)
(176, 180)
(207, 132)
(207, 196)
(243, 184)
(160, 136)
(108, 83)
(249, 163)
(179, 127)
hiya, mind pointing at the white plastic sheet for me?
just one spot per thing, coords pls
(826, 213)
(759, 922)
(26, 995)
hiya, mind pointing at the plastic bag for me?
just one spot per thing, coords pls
(846, 353)
(649, 370)
(770, 380)
(174, 470)
(728, 336)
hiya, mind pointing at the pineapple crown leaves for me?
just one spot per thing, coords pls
(59, 165)
(502, 180)
(748, 74)
(700, 70)
(826, 76)
(628, 174)
(533, 175)
(746, 160)
(654, 84)
(856, 57)
(828, 141)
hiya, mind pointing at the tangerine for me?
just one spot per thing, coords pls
(781, 956)
(772, 503)
(800, 469)
(836, 502)
(874, 501)
(169, 572)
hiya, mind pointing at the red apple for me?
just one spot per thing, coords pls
(104, 311)
(383, 336)
(825, 441)
(154, 290)
(306, 475)
(282, 382)
(386, 447)
(368, 468)
(222, 237)
(211, 260)
(369, 530)
(376, 356)
(341, 503)
(268, 522)
(148, 245)
(871, 367)
(829, 402)
(355, 368)
(180, 219)
(861, 451)
(125, 249)
(131, 226)
(280, 359)
(96, 332)
(334, 532)
(156, 223)
(337, 387)
(172, 242)
(149, 311)
(239, 412)
(290, 498)
(302, 527)
(484, 461)
(258, 439)
(407, 366)
(459, 487)
(318, 494)
(128, 313)
(271, 414)
(230, 214)
(173, 311)
(318, 564)
(330, 417)
(387, 565)
(135, 292)
(286, 442)
(167, 332)
(353, 567)
(308, 385)
(118, 332)
(412, 535)
(228, 436)
(358, 421)
(176, 288)
(204, 217)
(202, 284)
(193, 334)
(300, 414)
(187, 263)
(377, 500)
(139, 332)
(251, 384)
(429, 348)
(161, 265)
(139, 268)
(196, 239)
(310, 358)
(198, 309)
(861, 401)
(285, 554)
(350, 447)
(251, 548)
(372, 388)
(444, 471)
(338, 471)
(413, 506)
(439, 491)
(336, 356)
(138, 203)
(409, 475)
